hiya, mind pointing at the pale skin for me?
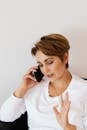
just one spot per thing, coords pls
(28, 82)
(62, 115)
(55, 70)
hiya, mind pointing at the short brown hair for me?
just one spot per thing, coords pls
(52, 45)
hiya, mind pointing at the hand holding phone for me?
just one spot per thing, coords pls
(38, 74)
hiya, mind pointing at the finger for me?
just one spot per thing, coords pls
(56, 110)
(66, 101)
(26, 76)
(32, 69)
(68, 106)
(61, 100)
(67, 96)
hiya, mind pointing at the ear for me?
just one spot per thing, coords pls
(65, 58)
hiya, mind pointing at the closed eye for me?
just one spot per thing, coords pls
(49, 62)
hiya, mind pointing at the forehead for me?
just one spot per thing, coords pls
(41, 57)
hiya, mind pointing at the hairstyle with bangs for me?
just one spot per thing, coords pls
(52, 45)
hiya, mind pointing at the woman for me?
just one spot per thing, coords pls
(58, 101)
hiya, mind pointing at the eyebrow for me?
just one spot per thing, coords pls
(46, 60)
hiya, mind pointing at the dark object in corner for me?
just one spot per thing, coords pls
(19, 124)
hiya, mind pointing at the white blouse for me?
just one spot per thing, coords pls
(39, 106)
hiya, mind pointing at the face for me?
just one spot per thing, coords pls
(51, 66)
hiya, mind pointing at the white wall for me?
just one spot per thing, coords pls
(22, 22)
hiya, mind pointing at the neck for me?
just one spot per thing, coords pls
(63, 80)
(59, 86)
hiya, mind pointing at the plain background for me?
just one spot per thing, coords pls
(22, 22)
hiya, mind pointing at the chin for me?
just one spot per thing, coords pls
(52, 80)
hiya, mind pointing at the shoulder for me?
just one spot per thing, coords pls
(78, 87)
(78, 81)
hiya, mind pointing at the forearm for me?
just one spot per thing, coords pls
(20, 92)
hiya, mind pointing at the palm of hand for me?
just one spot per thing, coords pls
(62, 114)
(28, 82)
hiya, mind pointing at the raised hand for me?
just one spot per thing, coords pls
(62, 114)
(28, 82)
(29, 79)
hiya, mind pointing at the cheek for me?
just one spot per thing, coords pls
(58, 65)
(59, 68)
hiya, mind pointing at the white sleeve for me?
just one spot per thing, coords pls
(12, 109)
(84, 118)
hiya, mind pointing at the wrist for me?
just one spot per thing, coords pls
(70, 127)
(19, 92)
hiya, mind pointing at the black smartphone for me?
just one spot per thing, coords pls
(38, 74)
